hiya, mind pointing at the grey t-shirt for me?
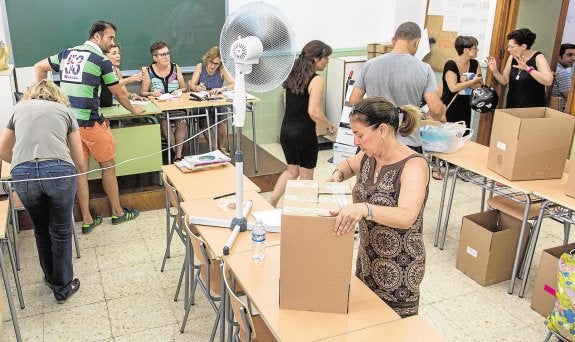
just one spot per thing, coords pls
(41, 128)
(400, 78)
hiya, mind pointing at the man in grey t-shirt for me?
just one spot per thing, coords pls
(401, 78)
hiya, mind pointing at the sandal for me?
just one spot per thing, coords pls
(436, 173)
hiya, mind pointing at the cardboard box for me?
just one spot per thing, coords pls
(543, 299)
(487, 246)
(530, 143)
(315, 264)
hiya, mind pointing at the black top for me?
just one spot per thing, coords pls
(524, 90)
(459, 110)
(296, 115)
(106, 98)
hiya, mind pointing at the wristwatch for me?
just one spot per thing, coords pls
(369, 216)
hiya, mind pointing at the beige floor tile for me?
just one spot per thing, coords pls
(197, 330)
(83, 323)
(122, 254)
(30, 270)
(31, 329)
(477, 315)
(200, 309)
(107, 234)
(27, 244)
(163, 333)
(87, 263)
(140, 312)
(130, 280)
(443, 323)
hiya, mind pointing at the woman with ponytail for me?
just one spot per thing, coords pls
(388, 201)
(303, 102)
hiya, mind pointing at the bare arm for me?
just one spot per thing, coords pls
(436, 107)
(146, 84)
(414, 179)
(543, 74)
(502, 78)
(180, 78)
(75, 145)
(347, 168)
(229, 79)
(121, 94)
(456, 85)
(314, 107)
(193, 83)
(41, 69)
(7, 141)
(356, 96)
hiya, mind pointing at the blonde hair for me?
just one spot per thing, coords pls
(46, 90)
(213, 53)
(377, 110)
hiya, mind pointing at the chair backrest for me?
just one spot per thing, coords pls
(210, 272)
(173, 196)
(4, 207)
(241, 311)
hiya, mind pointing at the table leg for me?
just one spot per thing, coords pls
(531, 244)
(448, 210)
(519, 244)
(441, 202)
(15, 227)
(222, 308)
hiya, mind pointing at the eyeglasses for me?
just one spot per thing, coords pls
(509, 47)
(473, 48)
(165, 54)
(214, 63)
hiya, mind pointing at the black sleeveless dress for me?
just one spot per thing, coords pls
(459, 109)
(297, 135)
(524, 90)
(390, 261)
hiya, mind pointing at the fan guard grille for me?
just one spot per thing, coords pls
(271, 27)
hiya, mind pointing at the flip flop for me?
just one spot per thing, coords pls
(436, 173)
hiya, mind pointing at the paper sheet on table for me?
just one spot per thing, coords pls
(139, 102)
(272, 219)
(167, 97)
(230, 95)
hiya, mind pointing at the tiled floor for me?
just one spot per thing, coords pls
(125, 297)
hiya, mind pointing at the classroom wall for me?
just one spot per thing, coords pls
(530, 16)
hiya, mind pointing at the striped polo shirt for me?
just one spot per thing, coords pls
(82, 70)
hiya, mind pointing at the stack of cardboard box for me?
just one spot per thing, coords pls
(376, 49)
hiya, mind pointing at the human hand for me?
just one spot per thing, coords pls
(521, 63)
(138, 110)
(478, 79)
(348, 217)
(177, 93)
(156, 93)
(136, 78)
(201, 87)
(491, 63)
(331, 130)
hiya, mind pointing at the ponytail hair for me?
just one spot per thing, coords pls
(377, 110)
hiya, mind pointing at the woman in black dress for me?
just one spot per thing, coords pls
(303, 99)
(457, 84)
(527, 72)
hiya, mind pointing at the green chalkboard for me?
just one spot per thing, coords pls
(40, 28)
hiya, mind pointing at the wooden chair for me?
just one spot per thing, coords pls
(206, 273)
(250, 327)
(5, 242)
(557, 336)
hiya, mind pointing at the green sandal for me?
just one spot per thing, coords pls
(129, 214)
(87, 228)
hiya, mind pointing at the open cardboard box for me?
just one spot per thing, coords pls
(315, 263)
(530, 143)
(487, 246)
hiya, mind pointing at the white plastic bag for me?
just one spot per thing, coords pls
(444, 138)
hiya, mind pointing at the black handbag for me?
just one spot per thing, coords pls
(483, 99)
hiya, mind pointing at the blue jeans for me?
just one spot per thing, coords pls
(49, 203)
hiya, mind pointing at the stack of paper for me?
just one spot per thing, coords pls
(230, 95)
(204, 161)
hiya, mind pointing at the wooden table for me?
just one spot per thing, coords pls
(117, 112)
(216, 237)
(260, 281)
(408, 329)
(208, 183)
(184, 102)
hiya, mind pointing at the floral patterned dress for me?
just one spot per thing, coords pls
(390, 261)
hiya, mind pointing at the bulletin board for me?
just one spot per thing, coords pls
(447, 19)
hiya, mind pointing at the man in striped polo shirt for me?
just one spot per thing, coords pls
(83, 69)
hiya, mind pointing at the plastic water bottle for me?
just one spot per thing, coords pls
(258, 241)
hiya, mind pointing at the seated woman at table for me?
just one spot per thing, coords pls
(210, 76)
(106, 98)
(42, 141)
(388, 201)
(165, 77)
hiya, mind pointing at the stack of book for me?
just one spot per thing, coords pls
(203, 161)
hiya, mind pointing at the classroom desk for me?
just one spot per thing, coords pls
(206, 183)
(216, 237)
(260, 281)
(473, 157)
(558, 206)
(184, 102)
(412, 328)
(133, 141)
